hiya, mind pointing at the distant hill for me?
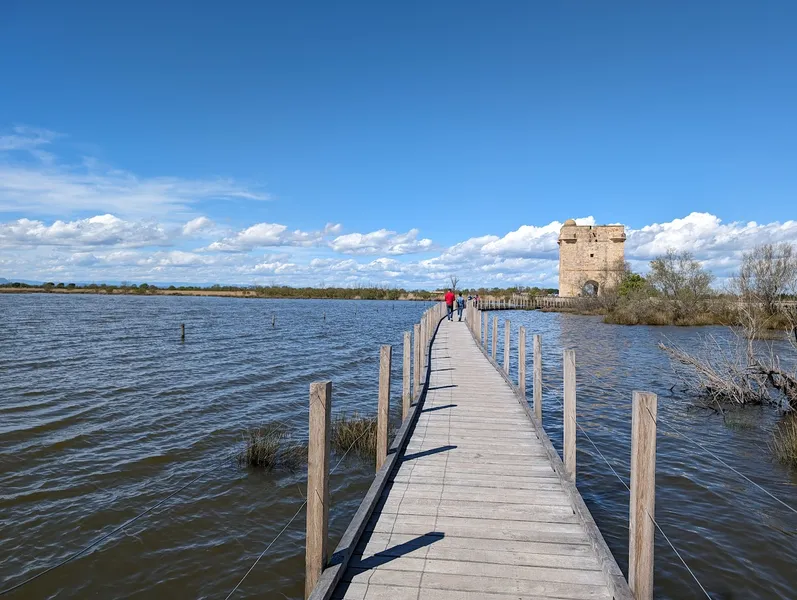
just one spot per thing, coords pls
(28, 281)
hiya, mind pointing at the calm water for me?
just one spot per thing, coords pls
(104, 412)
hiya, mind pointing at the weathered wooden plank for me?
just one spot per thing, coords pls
(477, 506)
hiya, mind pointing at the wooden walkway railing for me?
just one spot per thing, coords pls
(471, 500)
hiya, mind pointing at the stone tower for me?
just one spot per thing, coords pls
(591, 258)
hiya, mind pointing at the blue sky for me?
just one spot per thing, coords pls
(358, 142)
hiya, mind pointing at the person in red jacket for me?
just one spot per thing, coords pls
(450, 304)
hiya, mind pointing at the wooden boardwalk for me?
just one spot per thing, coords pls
(477, 507)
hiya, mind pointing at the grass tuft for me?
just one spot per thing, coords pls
(270, 446)
(355, 432)
(784, 441)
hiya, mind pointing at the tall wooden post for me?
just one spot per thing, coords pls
(416, 359)
(423, 342)
(643, 495)
(506, 346)
(406, 392)
(537, 390)
(483, 332)
(383, 412)
(521, 361)
(182, 332)
(495, 338)
(318, 482)
(569, 417)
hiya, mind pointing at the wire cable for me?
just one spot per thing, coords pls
(621, 480)
(296, 514)
(710, 453)
(116, 530)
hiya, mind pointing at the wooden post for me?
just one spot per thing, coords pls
(406, 392)
(423, 342)
(318, 482)
(416, 359)
(569, 417)
(506, 346)
(182, 332)
(383, 412)
(485, 325)
(495, 337)
(521, 361)
(643, 495)
(537, 390)
(273, 320)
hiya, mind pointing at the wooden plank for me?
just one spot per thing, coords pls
(642, 507)
(318, 482)
(478, 502)
(569, 416)
(383, 409)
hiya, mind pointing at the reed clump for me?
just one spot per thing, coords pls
(784, 441)
(355, 434)
(271, 446)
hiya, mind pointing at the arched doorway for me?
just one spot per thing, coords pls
(590, 289)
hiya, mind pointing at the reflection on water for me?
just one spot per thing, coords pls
(103, 412)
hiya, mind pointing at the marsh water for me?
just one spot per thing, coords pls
(104, 412)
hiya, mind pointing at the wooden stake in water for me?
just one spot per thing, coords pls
(182, 332)
(318, 482)
(273, 320)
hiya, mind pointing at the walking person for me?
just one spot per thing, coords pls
(460, 305)
(450, 304)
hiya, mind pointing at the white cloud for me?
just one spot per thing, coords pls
(382, 241)
(108, 248)
(265, 235)
(196, 225)
(46, 186)
(706, 236)
(101, 230)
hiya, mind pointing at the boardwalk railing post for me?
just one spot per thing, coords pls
(318, 482)
(521, 361)
(537, 389)
(406, 392)
(506, 346)
(643, 495)
(423, 342)
(416, 359)
(569, 417)
(485, 325)
(383, 412)
(495, 338)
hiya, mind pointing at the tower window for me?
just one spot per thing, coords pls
(592, 256)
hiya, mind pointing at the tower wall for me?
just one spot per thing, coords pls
(590, 253)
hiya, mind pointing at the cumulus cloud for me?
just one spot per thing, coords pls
(266, 235)
(101, 230)
(196, 225)
(706, 236)
(112, 249)
(382, 241)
